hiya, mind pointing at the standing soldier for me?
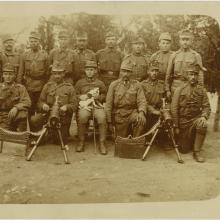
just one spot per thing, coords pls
(126, 104)
(82, 54)
(109, 60)
(56, 87)
(162, 56)
(179, 62)
(64, 56)
(8, 55)
(91, 102)
(138, 60)
(14, 101)
(190, 110)
(34, 69)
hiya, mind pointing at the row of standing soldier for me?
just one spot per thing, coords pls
(132, 97)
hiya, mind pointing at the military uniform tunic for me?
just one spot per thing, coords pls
(83, 86)
(177, 66)
(64, 58)
(162, 58)
(109, 62)
(80, 58)
(12, 58)
(140, 65)
(188, 105)
(123, 103)
(34, 70)
(13, 96)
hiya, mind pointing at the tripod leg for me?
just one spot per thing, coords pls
(63, 147)
(171, 135)
(150, 144)
(36, 145)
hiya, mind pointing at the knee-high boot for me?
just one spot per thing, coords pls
(82, 131)
(197, 147)
(102, 138)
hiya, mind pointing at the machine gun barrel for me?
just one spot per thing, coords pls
(54, 118)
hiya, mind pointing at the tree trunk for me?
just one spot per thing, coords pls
(217, 114)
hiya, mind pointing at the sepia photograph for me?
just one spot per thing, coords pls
(109, 102)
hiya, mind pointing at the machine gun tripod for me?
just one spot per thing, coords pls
(164, 123)
(53, 124)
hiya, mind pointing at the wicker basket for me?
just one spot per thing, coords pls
(132, 148)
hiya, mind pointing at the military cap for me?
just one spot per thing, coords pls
(127, 66)
(7, 37)
(185, 34)
(154, 65)
(82, 35)
(165, 36)
(193, 68)
(63, 34)
(8, 68)
(57, 67)
(34, 35)
(110, 34)
(137, 39)
(90, 63)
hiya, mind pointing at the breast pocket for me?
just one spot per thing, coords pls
(40, 64)
(28, 64)
(131, 97)
(103, 64)
(64, 99)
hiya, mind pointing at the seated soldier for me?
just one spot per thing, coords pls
(67, 100)
(154, 92)
(190, 110)
(14, 101)
(91, 93)
(126, 104)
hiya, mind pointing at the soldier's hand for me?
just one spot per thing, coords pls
(13, 112)
(202, 122)
(141, 119)
(156, 112)
(63, 108)
(168, 96)
(46, 107)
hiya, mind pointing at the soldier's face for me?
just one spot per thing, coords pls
(8, 77)
(110, 42)
(185, 42)
(34, 43)
(81, 43)
(90, 72)
(164, 45)
(9, 45)
(153, 74)
(125, 74)
(63, 42)
(137, 47)
(192, 77)
(58, 76)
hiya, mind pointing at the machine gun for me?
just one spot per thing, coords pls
(53, 124)
(165, 123)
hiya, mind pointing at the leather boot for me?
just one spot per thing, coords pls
(199, 140)
(102, 137)
(82, 131)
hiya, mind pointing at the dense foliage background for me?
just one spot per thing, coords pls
(206, 30)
